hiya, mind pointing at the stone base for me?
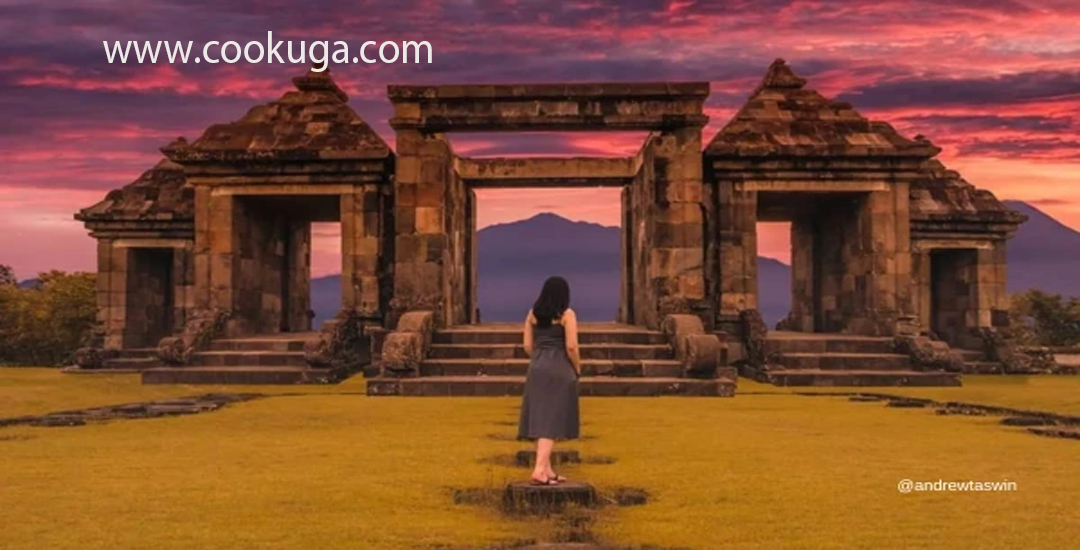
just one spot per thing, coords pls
(241, 375)
(452, 386)
(527, 458)
(855, 378)
(525, 498)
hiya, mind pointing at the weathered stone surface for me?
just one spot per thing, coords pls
(525, 498)
(704, 354)
(928, 354)
(201, 328)
(402, 353)
(152, 409)
(341, 343)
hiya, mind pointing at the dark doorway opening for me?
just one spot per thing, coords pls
(150, 301)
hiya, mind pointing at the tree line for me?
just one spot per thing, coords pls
(43, 323)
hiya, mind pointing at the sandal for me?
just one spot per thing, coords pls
(548, 481)
(557, 478)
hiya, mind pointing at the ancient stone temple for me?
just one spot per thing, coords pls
(204, 261)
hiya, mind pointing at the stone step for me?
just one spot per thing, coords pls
(970, 355)
(983, 367)
(628, 368)
(252, 375)
(131, 363)
(517, 351)
(861, 378)
(248, 358)
(511, 334)
(259, 344)
(796, 342)
(455, 386)
(138, 353)
(846, 361)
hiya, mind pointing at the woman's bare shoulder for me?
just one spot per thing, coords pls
(569, 315)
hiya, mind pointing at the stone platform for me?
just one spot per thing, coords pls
(815, 359)
(489, 360)
(256, 360)
(523, 497)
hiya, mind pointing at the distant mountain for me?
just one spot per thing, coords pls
(515, 258)
(30, 283)
(1044, 254)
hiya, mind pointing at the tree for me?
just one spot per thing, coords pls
(44, 325)
(1044, 319)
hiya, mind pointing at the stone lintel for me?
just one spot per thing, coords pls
(924, 245)
(813, 186)
(128, 242)
(339, 168)
(547, 172)
(542, 122)
(189, 156)
(295, 189)
(605, 90)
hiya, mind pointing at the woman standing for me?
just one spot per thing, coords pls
(549, 408)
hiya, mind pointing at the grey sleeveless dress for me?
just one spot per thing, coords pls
(549, 408)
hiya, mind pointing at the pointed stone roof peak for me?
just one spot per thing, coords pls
(780, 76)
(319, 81)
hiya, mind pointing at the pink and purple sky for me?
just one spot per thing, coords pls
(996, 83)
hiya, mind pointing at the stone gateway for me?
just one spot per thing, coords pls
(204, 261)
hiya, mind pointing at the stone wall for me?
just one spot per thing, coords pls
(430, 218)
(367, 247)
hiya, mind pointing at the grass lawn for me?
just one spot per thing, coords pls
(332, 468)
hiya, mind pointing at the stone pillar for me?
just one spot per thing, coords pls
(625, 257)
(183, 285)
(111, 289)
(473, 266)
(420, 246)
(298, 271)
(677, 256)
(361, 252)
(803, 273)
(737, 240)
(993, 298)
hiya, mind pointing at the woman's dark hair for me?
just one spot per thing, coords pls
(553, 301)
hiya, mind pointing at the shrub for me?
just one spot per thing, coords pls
(43, 325)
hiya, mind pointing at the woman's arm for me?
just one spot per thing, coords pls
(529, 320)
(569, 322)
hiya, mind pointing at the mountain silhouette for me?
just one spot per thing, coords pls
(515, 258)
(1044, 254)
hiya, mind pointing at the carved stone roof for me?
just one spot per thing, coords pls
(783, 118)
(158, 194)
(940, 194)
(313, 122)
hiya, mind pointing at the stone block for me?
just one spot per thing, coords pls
(419, 322)
(703, 355)
(429, 220)
(402, 353)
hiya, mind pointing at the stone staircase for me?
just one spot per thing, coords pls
(810, 359)
(976, 362)
(268, 359)
(489, 360)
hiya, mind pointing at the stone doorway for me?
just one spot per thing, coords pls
(513, 258)
(271, 260)
(151, 298)
(953, 295)
(827, 254)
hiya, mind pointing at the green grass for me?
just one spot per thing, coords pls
(341, 470)
(1056, 394)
